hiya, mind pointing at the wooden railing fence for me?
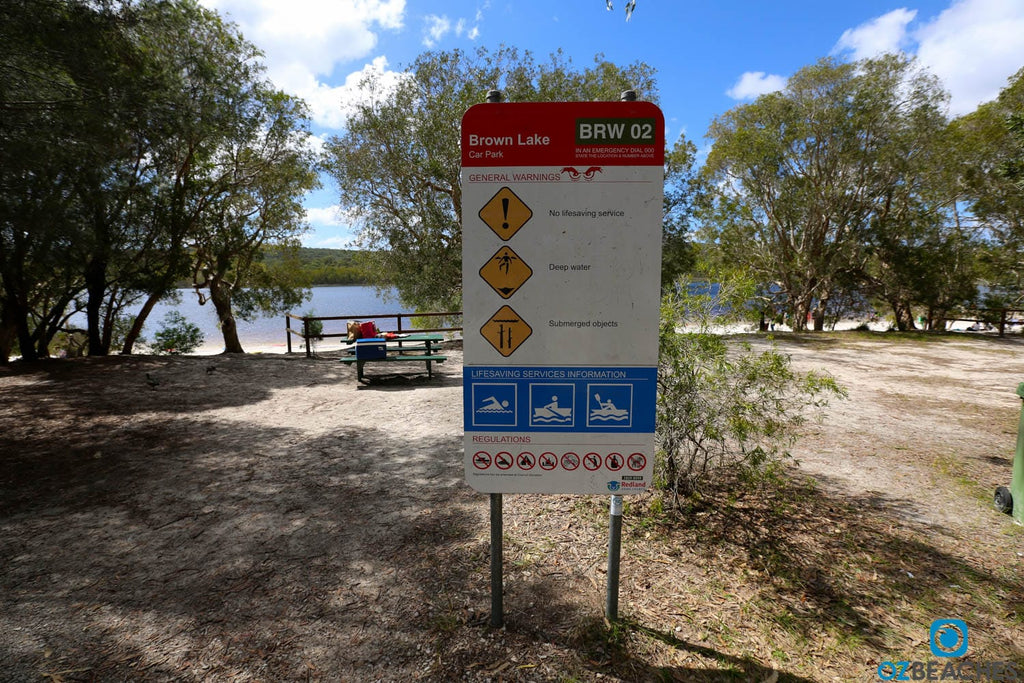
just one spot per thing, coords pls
(1000, 317)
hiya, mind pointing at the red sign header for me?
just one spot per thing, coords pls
(569, 133)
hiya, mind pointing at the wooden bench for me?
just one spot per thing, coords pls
(417, 347)
(418, 358)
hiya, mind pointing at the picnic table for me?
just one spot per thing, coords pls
(416, 347)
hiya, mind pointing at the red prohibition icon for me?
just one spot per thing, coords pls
(548, 461)
(481, 460)
(526, 461)
(503, 460)
(637, 461)
(570, 461)
(614, 461)
(592, 461)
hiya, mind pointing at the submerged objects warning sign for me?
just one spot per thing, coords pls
(561, 287)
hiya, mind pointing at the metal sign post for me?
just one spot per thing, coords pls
(561, 267)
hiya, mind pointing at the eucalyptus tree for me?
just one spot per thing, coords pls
(229, 168)
(994, 135)
(66, 92)
(920, 253)
(683, 192)
(788, 206)
(832, 187)
(398, 162)
(261, 173)
(131, 133)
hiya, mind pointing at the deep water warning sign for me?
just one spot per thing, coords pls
(561, 267)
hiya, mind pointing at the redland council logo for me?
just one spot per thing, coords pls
(948, 641)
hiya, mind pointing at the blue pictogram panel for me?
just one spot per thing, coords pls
(493, 405)
(552, 405)
(560, 399)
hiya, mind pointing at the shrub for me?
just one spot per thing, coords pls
(314, 329)
(725, 410)
(177, 335)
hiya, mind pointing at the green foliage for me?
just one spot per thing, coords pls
(994, 134)
(326, 266)
(683, 192)
(724, 410)
(177, 335)
(141, 142)
(398, 163)
(839, 184)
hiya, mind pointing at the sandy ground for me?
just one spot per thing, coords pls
(265, 517)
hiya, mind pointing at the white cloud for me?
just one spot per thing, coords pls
(755, 83)
(331, 216)
(435, 29)
(887, 33)
(332, 227)
(331, 106)
(331, 242)
(316, 33)
(305, 40)
(974, 46)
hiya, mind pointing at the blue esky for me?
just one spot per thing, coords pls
(710, 55)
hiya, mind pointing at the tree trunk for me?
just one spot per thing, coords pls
(800, 314)
(140, 320)
(8, 333)
(818, 316)
(904, 316)
(221, 297)
(95, 284)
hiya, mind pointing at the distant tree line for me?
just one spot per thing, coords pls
(141, 145)
(850, 189)
(330, 266)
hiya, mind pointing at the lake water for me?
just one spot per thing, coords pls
(268, 334)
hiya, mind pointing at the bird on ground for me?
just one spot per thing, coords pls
(152, 381)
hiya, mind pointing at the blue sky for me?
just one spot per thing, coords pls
(710, 55)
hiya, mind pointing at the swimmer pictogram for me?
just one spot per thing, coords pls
(494, 405)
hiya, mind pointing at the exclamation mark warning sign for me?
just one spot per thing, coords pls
(505, 213)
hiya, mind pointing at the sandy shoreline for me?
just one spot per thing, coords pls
(211, 348)
(267, 517)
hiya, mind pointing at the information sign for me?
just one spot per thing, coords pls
(562, 207)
